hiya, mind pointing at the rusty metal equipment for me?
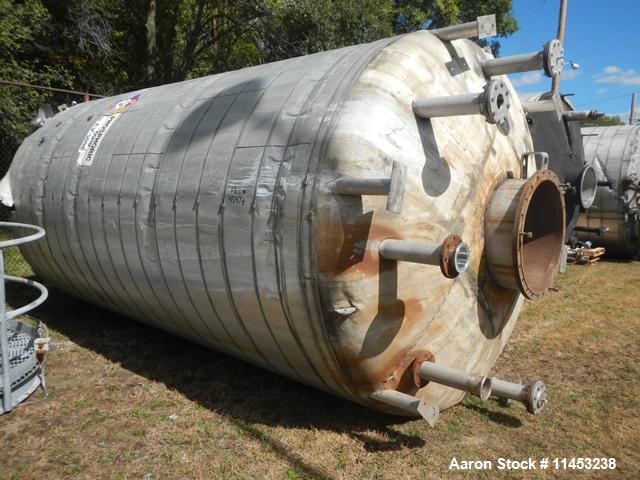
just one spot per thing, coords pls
(22, 346)
(349, 219)
(614, 223)
(555, 129)
(524, 227)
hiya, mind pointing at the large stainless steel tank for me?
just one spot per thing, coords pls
(226, 210)
(615, 154)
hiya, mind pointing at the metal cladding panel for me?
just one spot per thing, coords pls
(202, 208)
(614, 152)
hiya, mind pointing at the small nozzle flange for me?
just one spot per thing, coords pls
(553, 59)
(537, 398)
(497, 101)
(454, 256)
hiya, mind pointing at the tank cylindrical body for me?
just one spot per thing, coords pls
(615, 154)
(205, 208)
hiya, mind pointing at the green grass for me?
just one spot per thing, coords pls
(113, 384)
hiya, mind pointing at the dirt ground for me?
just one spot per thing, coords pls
(129, 402)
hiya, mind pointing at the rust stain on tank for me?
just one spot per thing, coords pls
(347, 247)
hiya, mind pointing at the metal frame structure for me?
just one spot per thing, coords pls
(22, 347)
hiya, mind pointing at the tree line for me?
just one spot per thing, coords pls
(112, 46)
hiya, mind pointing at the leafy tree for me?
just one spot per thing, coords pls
(604, 121)
(411, 15)
(25, 30)
(125, 44)
(110, 46)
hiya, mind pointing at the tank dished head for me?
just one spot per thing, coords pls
(524, 233)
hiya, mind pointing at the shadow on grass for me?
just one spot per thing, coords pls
(503, 419)
(247, 395)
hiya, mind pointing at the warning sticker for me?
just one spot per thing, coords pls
(91, 142)
(93, 138)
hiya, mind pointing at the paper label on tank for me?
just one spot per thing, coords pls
(91, 142)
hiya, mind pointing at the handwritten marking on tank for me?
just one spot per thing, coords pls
(237, 196)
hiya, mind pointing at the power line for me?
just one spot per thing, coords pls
(532, 7)
(533, 25)
(602, 100)
(50, 89)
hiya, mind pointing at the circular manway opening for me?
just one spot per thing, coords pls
(541, 233)
(588, 187)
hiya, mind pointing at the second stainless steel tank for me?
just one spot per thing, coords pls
(614, 222)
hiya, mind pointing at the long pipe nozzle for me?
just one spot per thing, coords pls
(408, 403)
(550, 59)
(483, 27)
(475, 384)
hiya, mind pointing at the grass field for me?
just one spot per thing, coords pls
(129, 402)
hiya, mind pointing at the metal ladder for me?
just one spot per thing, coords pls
(22, 346)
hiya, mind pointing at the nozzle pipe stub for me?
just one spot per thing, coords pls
(408, 403)
(475, 384)
(360, 186)
(533, 395)
(483, 27)
(494, 103)
(452, 255)
(550, 59)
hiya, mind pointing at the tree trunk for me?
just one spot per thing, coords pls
(151, 40)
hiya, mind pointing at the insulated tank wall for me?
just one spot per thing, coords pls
(615, 154)
(203, 208)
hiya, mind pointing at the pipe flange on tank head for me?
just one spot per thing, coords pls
(418, 381)
(553, 58)
(454, 256)
(524, 244)
(537, 397)
(497, 101)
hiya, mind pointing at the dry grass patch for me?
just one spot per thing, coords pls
(129, 402)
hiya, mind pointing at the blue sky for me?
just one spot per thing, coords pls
(602, 36)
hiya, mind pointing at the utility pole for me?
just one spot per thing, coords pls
(632, 112)
(562, 20)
